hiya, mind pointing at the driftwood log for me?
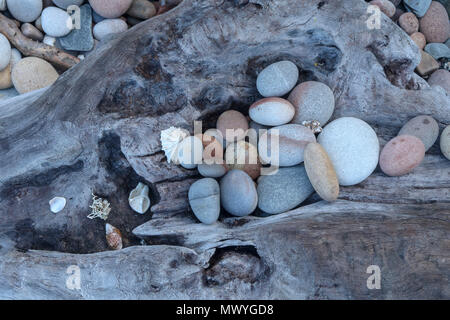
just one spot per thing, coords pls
(96, 130)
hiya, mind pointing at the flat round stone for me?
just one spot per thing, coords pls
(284, 190)
(423, 127)
(277, 79)
(401, 155)
(204, 199)
(353, 148)
(33, 73)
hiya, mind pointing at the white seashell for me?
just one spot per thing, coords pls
(113, 237)
(170, 140)
(138, 199)
(57, 204)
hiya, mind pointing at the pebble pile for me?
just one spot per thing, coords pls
(427, 23)
(54, 23)
(274, 159)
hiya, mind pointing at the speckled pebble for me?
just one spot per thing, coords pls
(419, 39)
(284, 190)
(312, 100)
(353, 148)
(321, 172)
(33, 73)
(277, 79)
(204, 199)
(423, 127)
(238, 193)
(445, 142)
(440, 78)
(435, 24)
(409, 22)
(401, 155)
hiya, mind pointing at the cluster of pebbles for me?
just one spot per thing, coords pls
(345, 152)
(427, 23)
(75, 30)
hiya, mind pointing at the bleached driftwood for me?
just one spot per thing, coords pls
(97, 130)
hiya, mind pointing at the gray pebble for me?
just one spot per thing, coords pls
(204, 199)
(80, 39)
(418, 7)
(238, 193)
(284, 190)
(438, 50)
(423, 127)
(277, 79)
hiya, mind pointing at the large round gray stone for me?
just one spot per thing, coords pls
(204, 199)
(284, 190)
(238, 193)
(25, 10)
(277, 79)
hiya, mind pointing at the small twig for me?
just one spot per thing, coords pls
(29, 47)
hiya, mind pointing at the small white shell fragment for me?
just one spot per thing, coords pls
(57, 204)
(113, 237)
(138, 199)
(170, 140)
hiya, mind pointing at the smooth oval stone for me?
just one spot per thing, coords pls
(312, 100)
(271, 111)
(212, 170)
(33, 73)
(419, 39)
(423, 127)
(108, 27)
(56, 22)
(110, 8)
(204, 199)
(440, 78)
(321, 172)
(238, 193)
(409, 22)
(31, 32)
(434, 24)
(190, 152)
(243, 156)
(353, 148)
(284, 190)
(438, 50)
(64, 4)
(235, 122)
(5, 52)
(142, 9)
(277, 79)
(401, 155)
(25, 10)
(385, 6)
(418, 7)
(445, 142)
(292, 141)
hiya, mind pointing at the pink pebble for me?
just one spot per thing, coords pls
(401, 155)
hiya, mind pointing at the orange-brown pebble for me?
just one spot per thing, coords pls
(236, 124)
